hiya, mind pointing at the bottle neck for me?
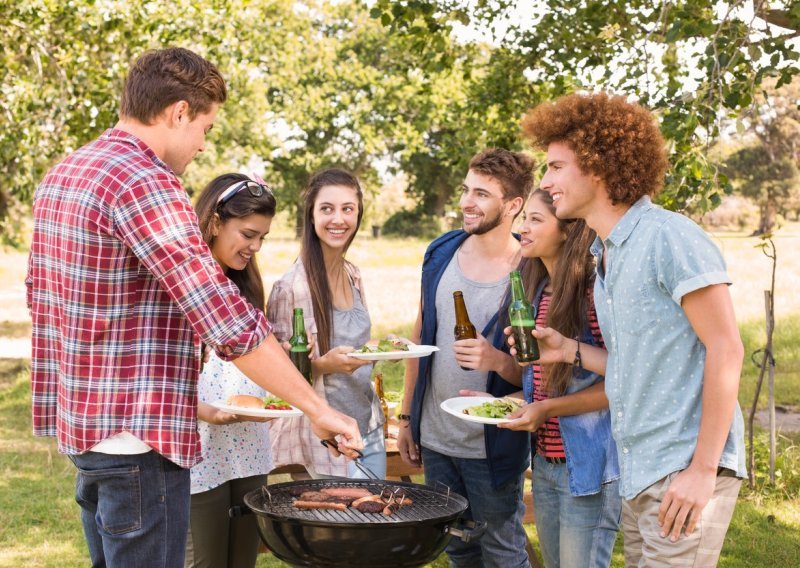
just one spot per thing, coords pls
(517, 291)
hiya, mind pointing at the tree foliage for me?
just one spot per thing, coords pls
(697, 63)
(311, 84)
(768, 169)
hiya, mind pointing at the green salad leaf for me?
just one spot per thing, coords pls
(498, 408)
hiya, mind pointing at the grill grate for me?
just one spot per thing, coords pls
(429, 503)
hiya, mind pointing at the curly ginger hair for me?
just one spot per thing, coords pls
(617, 140)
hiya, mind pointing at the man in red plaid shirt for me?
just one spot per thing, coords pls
(122, 291)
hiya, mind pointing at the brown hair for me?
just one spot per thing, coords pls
(617, 140)
(159, 78)
(242, 204)
(514, 170)
(571, 282)
(311, 249)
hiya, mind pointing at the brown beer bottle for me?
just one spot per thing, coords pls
(384, 406)
(464, 328)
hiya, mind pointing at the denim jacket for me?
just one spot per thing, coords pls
(590, 449)
(507, 451)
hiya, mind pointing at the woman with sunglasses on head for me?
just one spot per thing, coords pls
(329, 290)
(575, 467)
(235, 214)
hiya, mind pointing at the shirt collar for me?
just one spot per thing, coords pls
(117, 135)
(625, 226)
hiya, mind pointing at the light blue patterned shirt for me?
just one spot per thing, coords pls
(654, 375)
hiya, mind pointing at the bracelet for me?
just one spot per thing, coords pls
(404, 417)
(578, 362)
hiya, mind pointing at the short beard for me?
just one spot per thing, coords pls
(486, 225)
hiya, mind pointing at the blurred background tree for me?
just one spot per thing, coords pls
(698, 63)
(390, 88)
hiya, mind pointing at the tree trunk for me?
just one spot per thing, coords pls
(767, 221)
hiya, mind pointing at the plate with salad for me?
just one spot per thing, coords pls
(482, 409)
(260, 407)
(392, 349)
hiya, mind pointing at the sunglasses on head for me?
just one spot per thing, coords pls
(254, 188)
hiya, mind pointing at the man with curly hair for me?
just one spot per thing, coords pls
(674, 351)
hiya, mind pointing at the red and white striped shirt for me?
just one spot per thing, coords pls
(549, 443)
(122, 289)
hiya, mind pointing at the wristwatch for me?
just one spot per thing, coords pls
(405, 417)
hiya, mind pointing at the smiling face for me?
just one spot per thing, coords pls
(238, 239)
(541, 234)
(574, 192)
(335, 216)
(482, 203)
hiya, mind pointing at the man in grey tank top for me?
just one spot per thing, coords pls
(482, 463)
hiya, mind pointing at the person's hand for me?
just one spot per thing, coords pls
(337, 361)
(466, 392)
(687, 495)
(409, 451)
(530, 417)
(288, 346)
(331, 424)
(509, 333)
(222, 418)
(476, 354)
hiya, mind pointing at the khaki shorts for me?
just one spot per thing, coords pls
(644, 545)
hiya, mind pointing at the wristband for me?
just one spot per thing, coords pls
(404, 417)
(577, 363)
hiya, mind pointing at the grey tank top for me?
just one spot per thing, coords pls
(354, 394)
(440, 431)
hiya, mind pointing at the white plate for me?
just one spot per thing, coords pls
(413, 352)
(256, 412)
(456, 406)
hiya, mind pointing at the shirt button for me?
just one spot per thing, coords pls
(619, 414)
(608, 301)
(624, 450)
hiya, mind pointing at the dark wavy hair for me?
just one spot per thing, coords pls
(242, 204)
(572, 281)
(311, 249)
(159, 78)
(617, 140)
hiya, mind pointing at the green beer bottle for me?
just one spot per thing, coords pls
(520, 314)
(299, 351)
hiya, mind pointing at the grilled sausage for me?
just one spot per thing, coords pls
(320, 505)
(352, 492)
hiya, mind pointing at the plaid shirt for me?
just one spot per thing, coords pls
(122, 289)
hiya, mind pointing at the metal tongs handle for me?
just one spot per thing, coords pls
(364, 469)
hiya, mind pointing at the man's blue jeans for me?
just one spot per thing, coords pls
(134, 509)
(503, 543)
(574, 532)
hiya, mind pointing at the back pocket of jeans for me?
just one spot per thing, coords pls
(119, 497)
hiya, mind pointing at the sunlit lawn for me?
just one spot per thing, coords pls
(39, 520)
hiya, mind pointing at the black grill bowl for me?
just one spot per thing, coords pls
(413, 536)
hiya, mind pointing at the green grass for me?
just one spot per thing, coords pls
(40, 521)
(40, 524)
(786, 351)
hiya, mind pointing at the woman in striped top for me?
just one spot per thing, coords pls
(575, 467)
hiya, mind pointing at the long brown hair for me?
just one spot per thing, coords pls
(241, 204)
(311, 250)
(574, 275)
